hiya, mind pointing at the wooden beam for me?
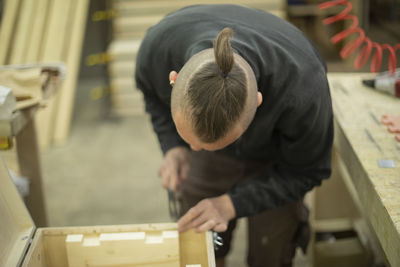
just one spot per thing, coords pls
(61, 16)
(41, 13)
(23, 32)
(8, 25)
(66, 98)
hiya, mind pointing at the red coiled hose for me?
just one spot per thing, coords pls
(352, 46)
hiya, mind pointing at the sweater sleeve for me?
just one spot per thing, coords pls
(160, 112)
(303, 160)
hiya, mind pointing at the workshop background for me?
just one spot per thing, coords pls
(99, 156)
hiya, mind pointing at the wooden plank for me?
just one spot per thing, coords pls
(53, 239)
(159, 248)
(333, 225)
(124, 50)
(137, 26)
(194, 247)
(164, 7)
(7, 28)
(50, 247)
(61, 16)
(121, 69)
(16, 224)
(29, 164)
(41, 13)
(66, 97)
(361, 141)
(23, 32)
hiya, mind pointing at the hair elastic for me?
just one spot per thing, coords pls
(223, 74)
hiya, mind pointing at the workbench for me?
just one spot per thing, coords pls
(363, 145)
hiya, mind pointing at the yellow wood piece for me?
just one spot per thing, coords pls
(361, 140)
(23, 32)
(152, 248)
(139, 7)
(49, 247)
(66, 97)
(38, 27)
(7, 28)
(194, 247)
(61, 16)
(16, 225)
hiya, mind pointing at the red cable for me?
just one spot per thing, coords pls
(351, 47)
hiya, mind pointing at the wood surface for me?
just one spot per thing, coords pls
(49, 248)
(61, 16)
(7, 28)
(361, 140)
(30, 166)
(38, 27)
(158, 249)
(139, 7)
(23, 31)
(16, 224)
(66, 97)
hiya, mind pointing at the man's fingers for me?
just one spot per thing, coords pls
(173, 181)
(165, 181)
(185, 171)
(387, 119)
(393, 129)
(397, 136)
(221, 227)
(185, 222)
(208, 225)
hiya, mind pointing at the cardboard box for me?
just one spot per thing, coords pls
(21, 244)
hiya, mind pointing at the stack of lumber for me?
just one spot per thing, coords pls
(40, 31)
(133, 18)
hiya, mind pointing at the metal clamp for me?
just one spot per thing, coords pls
(218, 241)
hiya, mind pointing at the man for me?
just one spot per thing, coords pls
(246, 129)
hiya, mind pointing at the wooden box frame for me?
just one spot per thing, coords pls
(21, 244)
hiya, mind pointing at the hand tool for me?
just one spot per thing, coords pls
(174, 205)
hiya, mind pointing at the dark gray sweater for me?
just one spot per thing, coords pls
(293, 127)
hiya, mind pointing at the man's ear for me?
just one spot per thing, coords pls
(172, 77)
(259, 99)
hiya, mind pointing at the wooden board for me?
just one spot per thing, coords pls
(54, 49)
(23, 32)
(7, 28)
(66, 97)
(124, 49)
(154, 248)
(49, 248)
(16, 225)
(140, 7)
(34, 50)
(361, 141)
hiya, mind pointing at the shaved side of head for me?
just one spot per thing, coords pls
(215, 90)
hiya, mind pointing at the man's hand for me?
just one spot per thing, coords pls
(209, 214)
(393, 124)
(175, 168)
